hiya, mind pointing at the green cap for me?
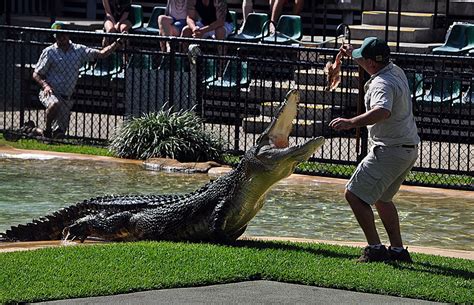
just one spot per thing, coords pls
(373, 48)
(58, 26)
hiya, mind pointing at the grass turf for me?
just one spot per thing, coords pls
(69, 148)
(105, 269)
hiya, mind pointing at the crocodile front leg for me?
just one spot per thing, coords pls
(113, 227)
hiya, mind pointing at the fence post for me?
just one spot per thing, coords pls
(387, 19)
(361, 133)
(325, 13)
(313, 15)
(23, 83)
(8, 12)
(238, 122)
(172, 55)
(399, 21)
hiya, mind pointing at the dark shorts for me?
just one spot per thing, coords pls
(179, 23)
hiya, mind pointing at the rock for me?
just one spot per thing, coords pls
(172, 165)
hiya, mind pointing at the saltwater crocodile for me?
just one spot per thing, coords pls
(217, 212)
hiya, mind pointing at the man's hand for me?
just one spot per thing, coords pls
(346, 50)
(341, 124)
(47, 90)
(197, 32)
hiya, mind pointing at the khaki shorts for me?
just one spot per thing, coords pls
(61, 121)
(381, 172)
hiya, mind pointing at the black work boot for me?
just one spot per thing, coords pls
(374, 255)
(402, 256)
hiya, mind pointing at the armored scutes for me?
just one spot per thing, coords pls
(217, 212)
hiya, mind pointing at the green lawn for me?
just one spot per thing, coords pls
(36, 145)
(104, 269)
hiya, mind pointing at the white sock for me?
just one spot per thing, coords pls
(397, 249)
(376, 247)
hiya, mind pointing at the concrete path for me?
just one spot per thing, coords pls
(256, 292)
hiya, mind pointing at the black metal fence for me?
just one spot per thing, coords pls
(237, 87)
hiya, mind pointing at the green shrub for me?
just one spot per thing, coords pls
(166, 134)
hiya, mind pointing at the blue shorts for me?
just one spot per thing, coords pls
(179, 24)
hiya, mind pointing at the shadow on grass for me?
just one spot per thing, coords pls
(425, 267)
(290, 247)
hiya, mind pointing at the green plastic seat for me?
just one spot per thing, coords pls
(141, 61)
(444, 90)
(230, 79)
(252, 28)
(469, 40)
(288, 29)
(105, 67)
(455, 41)
(233, 14)
(210, 70)
(415, 82)
(137, 16)
(152, 27)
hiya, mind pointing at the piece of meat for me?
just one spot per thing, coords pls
(333, 73)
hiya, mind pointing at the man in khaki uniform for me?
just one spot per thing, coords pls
(394, 149)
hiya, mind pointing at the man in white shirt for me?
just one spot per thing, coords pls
(57, 72)
(394, 149)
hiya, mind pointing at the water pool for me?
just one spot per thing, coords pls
(32, 188)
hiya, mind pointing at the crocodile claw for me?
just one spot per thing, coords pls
(77, 230)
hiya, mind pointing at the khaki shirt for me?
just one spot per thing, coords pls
(389, 89)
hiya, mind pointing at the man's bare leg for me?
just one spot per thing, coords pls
(365, 216)
(389, 216)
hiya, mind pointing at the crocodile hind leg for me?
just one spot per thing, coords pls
(109, 227)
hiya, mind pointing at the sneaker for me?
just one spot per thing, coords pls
(402, 256)
(374, 255)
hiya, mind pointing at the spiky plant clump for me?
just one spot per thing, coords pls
(166, 134)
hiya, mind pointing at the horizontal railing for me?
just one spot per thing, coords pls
(237, 87)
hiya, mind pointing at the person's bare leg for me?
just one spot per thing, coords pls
(247, 8)
(365, 216)
(109, 27)
(166, 29)
(51, 113)
(298, 7)
(125, 27)
(389, 216)
(276, 10)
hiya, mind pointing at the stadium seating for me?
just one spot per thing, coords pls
(252, 28)
(137, 17)
(444, 90)
(287, 31)
(231, 78)
(457, 41)
(152, 26)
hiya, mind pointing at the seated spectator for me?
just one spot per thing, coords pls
(174, 20)
(117, 17)
(208, 18)
(276, 7)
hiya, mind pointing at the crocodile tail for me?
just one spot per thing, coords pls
(49, 227)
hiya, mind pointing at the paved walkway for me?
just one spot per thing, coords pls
(256, 292)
